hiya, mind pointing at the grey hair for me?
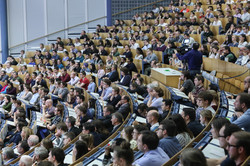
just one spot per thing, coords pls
(34, 139)
(41, 152)
(26, 160)
(8, 152)
(152, 85)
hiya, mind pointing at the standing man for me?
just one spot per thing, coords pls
(193, 58)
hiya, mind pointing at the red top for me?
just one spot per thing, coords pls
(86, 82)
(65, 78)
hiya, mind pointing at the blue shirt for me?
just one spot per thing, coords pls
(106, 93)
(194, 59)
(170, 145)
(91, 87)
(155, 157)
(34, 98)
(243, 121)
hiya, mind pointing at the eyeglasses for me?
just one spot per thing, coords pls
(222, 136)
(229, 145)
(159, 129)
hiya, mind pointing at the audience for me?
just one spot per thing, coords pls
(174, 132)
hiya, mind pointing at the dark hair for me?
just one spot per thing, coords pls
(62, 126)
(170, 126)
(180, 124)
(125, 152)
(159, 91)
(47, 143)
(243, 139)
(230, 129)
(140, 128)
(142, 107)
(89, 126)
(219, 122)
(245, 98)
(167, 102)
(205, 95)
(72, 120)
(59, 154)
(81, 148)
(193, 157)
(200, 78)
(150, 139)
(24, 145)
(196, 46)
(190, 112)
(186, 74)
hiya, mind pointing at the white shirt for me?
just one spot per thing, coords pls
(217, 23)
(74, 80)
(245, 17)
(78, 44)
(9, 70)
(145, 47)
(135, 46)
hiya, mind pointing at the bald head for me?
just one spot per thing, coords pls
(33, 140)
(152, 116)
(25, 160)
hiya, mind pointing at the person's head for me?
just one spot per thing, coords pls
(147, 140)
(40, 153)
(166, 104)
(192, 157)
(47, 143)
(152, 117)
(247, 83)
(68, 137)
(127, 133)
(89, 139)
(117, 118)
(88, 128)
(7, 153)
(198, 80)
(45, 163)
(225, 132)
(125, 99)
(61, 128)
(167, 128)
(180, 124)
(239, 146)
(157, 92)
(205, 116)
(70, 122)
(56, 156)
(137, 131)
(188, 115)
(216, 125)
(108, 110)
(26, 132)
(242, 102)
(123, 155)
(33, 140)
(204, 99)
(80, 148)
(185, 75)
(25, 160)
(106, 83)
(22, 147)
(196, 46)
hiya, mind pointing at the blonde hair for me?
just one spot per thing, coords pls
(27, 131)
(207, 115)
